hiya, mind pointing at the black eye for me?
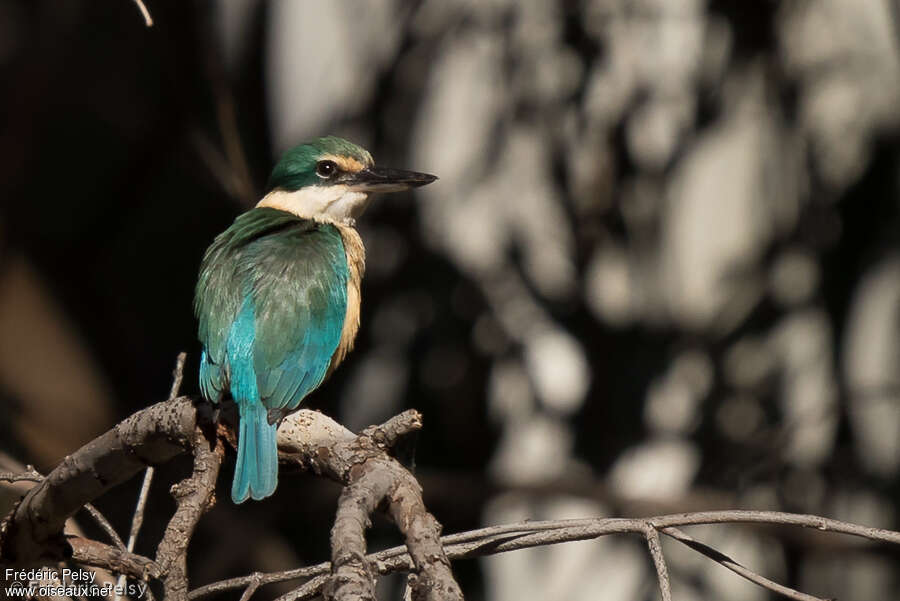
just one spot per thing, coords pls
(326, 168)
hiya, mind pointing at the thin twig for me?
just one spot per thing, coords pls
(148, 20)
(659, 562)
(370, 476)
(737, 568)
(137, 520)
(309, 589)
(20, 477)
(226, 114)
(151, 436)
(177, 375)
(106, 525)
(408, 587)
(219, 167)
(511, 537)
(248, 592)
(89, 552)
(34, 529)
(33, 475)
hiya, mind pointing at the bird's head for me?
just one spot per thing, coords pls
(330, 179)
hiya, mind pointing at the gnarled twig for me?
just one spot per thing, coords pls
(33, 531)
(371, 476)
(195, 496)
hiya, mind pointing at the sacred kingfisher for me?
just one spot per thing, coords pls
(278, 296)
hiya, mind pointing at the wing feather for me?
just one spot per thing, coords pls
(295, 272)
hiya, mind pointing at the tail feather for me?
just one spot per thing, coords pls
(256, 472)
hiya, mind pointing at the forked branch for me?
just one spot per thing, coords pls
(373, 480)
(33, 530)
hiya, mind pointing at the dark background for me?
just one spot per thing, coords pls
(659, 272)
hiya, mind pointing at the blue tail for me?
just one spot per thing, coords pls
(256, 472)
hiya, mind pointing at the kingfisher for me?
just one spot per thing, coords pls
(278, 295)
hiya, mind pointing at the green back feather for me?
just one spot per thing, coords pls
(294, 273)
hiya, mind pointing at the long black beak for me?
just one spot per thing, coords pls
(382, 179)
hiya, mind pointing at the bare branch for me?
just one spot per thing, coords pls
(177, 375)
(33, 531)
(776, 517)
(107, 527)
(29, 476)
(248, 592)
(148, 20)
(522, 535)
(659, 562)
(32, 475)
(371, 476)
(390, 432)
(91, 553)
(737, 568)
(138, 519)
(352, 574)
(311, 589)
(321, 569)
(194, 496)
(239, 181)
(433, 579)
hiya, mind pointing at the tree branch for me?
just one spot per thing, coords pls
(523, 535)
(433, 579)
(137, 519)
(194, 496)
(737, 568)
(371, 477)
(33, 531)
(95, 554)
(148, 20)
(659, 562)
(352, 575)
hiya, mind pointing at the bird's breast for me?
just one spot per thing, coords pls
(356, 265)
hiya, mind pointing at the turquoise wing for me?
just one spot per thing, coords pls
(297, 281)
(293, 273)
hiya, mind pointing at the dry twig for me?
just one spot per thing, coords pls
(523, 535)
(148, 20)
(33, 475)
(371, 476)
(659, 562)
(138, 519)
(737, 568)
(194, 496)
(177, 375)
(33, 531)
(92, 553)
(105, 525)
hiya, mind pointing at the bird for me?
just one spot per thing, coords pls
(278, 294)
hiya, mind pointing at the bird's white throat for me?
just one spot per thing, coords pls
(336, 203)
